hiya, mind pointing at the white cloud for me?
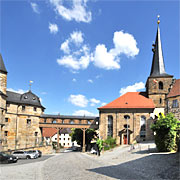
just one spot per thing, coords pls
(124, 43)
(94, 101)
(77, 37)
(65, 47)
(103, 104)
(20, 91)
(78, 100)
(78, 56)
(44, 93)
(84, 113)
(35, 7)
(74, 80)
(90, 80)
(53, 28)
(78, 10)
(104, 59)
(132, 88)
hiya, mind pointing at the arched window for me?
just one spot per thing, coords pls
(160, 85)
(110, 126)
(143, 127)
(126, 117)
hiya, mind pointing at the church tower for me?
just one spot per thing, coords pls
(159, 82)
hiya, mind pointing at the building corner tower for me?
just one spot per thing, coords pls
(3, 86)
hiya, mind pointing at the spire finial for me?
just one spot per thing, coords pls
(158, 16)
(30, 84)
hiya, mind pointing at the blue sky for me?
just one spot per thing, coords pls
(83, 54)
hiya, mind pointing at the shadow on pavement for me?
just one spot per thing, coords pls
(154, 166)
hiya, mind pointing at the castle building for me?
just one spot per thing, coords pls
(129, 117)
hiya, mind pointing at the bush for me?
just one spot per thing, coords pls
(165, 129)
(109, 143)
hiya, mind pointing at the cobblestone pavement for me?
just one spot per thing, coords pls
(141, 163)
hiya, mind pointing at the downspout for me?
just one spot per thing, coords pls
(16, 127)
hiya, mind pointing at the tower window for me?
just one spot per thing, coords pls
(160, 85)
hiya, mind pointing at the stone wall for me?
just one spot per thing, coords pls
(170, 108)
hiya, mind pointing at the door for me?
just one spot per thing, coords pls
(125, 139)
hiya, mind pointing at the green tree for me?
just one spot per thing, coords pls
(166, 128)
(77, 135)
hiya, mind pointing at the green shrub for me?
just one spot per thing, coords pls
(109, 143)
(165, 129)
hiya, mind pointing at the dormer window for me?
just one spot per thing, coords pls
(160, 85)
(25, 97)
(34, 98)
(23, 108)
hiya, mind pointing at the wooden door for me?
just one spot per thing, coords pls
(125, 139)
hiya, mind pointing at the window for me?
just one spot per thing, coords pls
(126, 117)
(89, 122)
(71, 122)
(68, 139)
(110, 126)
(54, 121)
(62, 121)
(36, 133)
(28, 121)
(160, 85)
(175, 104)
(5, 133)
(64, 144)
(79, 121)
(160, 101)
(23, 108)
(64, 139)
(126, 126)
(44, 120)
(6, 119)
(55, 138)
(143, 127)
(35, 109)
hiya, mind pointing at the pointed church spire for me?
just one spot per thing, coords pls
(158, 68)
(2, 66)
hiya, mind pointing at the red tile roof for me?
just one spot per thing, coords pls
(175, 91)
(130, 100)
(49, 132)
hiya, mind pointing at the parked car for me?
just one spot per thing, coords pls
(24, 155)
(6, 158)
(40, 153)
(33, 152)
